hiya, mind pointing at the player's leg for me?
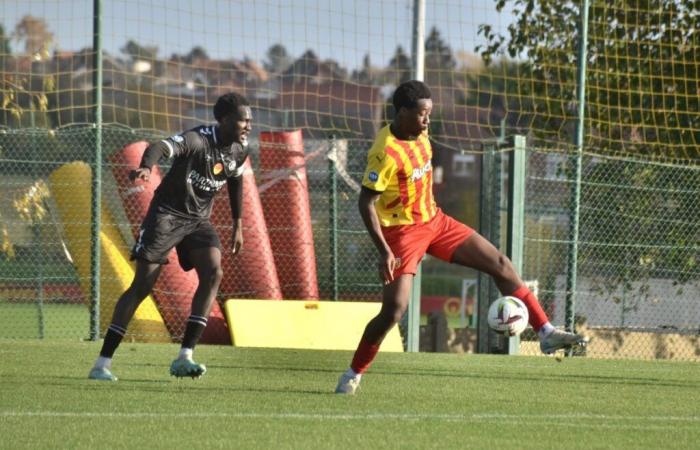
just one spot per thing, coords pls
(409, 244)
(207, 263)
(478, 253)
(159, 233)
(395, 296)
(200, 250)
(144, 278)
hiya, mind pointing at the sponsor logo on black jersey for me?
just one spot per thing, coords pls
(204, 183)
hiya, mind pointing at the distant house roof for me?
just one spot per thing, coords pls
(334, 106)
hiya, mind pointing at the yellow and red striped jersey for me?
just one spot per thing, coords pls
(402, 172)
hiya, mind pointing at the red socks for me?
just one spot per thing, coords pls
(537, 315)
(364, 355)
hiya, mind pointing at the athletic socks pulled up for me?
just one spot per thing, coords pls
(193, 331)
(537, 315)
(364, 355)
(113, 337)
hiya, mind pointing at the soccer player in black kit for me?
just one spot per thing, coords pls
(203, 160)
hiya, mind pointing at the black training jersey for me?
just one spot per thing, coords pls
(200, 167)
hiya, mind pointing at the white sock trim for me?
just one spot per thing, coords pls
(103, 363)
(353, 374)
(185, 353)
(545, 331)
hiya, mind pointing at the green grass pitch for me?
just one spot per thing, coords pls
(278, 398)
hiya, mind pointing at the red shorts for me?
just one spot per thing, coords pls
(440, 238)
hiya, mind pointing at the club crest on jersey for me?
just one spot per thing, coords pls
(231, 166)
(218, 168)
(373, 176)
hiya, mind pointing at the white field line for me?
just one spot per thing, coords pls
(562, 419)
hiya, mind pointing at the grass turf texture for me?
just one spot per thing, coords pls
(21, 320)
(276, 398)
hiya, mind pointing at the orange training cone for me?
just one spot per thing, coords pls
(288, 213)
(252, 273)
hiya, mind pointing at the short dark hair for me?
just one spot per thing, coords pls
(227, 104)
(408, 93)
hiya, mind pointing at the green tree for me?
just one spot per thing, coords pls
(5, 49)
(366, 74)
(641, 100)
(438, 55)
(36, 36)
(196, 54)
(496, 91)
(136, 51)
(24, 96)
(399, 69)
(642, 70)
(278, 60)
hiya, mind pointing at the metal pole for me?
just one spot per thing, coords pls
(489, 227)
(36, 234)
(574, 212)
(418, 56)
(333, 216)
(482, 288)
(96, 216)
(517, 166)
(418, 41)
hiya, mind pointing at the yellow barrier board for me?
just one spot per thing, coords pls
(70, 186)
(322, 325)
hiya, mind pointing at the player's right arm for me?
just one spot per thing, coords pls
(379, 174)
(368, 212)
(180, 144)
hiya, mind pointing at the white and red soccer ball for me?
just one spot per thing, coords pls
(508, 315)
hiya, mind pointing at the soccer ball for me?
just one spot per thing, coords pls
(508, 315)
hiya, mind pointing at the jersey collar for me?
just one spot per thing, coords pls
(215, 132)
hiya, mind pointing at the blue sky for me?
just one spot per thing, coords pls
(342, 30)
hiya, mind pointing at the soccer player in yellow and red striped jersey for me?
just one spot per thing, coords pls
(398, 209)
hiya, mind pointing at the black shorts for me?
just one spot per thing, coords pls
(162, 230)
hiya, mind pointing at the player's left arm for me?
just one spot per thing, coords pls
(235, 197)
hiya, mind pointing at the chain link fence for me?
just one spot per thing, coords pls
(496, 69)
(637, 272)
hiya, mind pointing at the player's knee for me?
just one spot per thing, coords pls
(211, 275)
(395, 314)
(137, 292)
(504, 268)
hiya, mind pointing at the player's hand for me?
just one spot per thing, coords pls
(237, 240)
(142, 173)
(387, 265)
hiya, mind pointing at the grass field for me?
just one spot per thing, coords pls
(21, 320)
(272, 398)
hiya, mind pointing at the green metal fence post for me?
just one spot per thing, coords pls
(490, 228)
(517, 166)
(36, 235)
(333, 216)
(96, 216)
(574, 212)
(413, 338)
